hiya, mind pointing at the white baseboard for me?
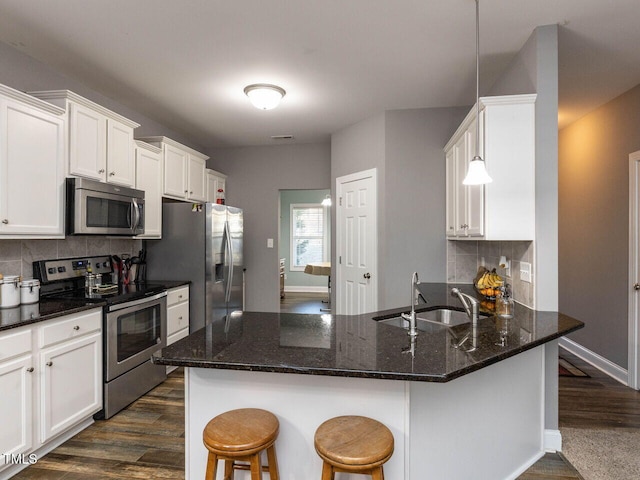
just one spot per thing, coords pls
(606, 366)
(552, 440)
(305, 289)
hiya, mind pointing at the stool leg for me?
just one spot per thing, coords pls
(377, 473)
(212, 466)
(256, 467)
(273, 463)
(327, 471)
(228, 470)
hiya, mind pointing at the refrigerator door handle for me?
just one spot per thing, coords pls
(227, 295)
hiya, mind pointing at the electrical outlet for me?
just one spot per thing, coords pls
(525, 272)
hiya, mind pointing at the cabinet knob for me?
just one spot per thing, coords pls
(186, 191)
(5, 221)
(367, 275)
(180, 318)
(179, 296)
(101, 170)
(76, 327)
(636, 286)
(112, 174)
(49, 363)
(30, 369)
(191, 193)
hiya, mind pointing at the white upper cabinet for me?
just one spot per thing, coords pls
(184, 170)
(31, 167)
(216, 181)
(149, 179)
(505, 208)
(100, 142)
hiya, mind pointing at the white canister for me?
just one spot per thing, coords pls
(29, 291)
(10, 292)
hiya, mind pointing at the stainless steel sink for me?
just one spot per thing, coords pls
(425, 320)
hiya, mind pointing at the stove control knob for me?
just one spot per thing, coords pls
(105, 264)
(62, 269)
(51, 270)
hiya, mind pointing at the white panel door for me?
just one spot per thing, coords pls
(356, 236)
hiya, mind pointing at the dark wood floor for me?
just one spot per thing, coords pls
(146, 440)
(303, 302)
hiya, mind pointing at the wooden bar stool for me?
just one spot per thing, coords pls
(240, 436)
(353, 444)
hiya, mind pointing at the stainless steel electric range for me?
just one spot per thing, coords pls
(134, 324)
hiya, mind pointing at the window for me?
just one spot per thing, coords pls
(308, 235)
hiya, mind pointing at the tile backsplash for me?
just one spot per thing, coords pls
(16, 256)
(464, 257)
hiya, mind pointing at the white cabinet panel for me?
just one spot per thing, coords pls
(149, 179)
(175, 172)
(87, 142)
(71, 383)
(31, 171)
(120, 154)
(197, 179)
(16, 405)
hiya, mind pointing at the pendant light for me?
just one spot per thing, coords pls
(477, 171)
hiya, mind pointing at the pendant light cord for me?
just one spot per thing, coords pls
(477, 80)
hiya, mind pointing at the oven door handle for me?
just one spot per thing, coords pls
(133, 303)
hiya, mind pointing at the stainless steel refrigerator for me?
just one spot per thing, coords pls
(203, 244)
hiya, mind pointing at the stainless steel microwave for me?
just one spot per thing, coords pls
(95, 208)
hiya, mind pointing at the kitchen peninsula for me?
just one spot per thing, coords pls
(455, 413)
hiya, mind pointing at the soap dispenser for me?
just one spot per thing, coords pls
(504, 302)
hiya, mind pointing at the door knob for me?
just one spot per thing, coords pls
(367, 275)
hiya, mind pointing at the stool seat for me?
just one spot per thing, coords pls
(240, 436)
(354, 444)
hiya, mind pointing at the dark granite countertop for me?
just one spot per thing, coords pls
(46, 309)
(49, 308)
(359, 346)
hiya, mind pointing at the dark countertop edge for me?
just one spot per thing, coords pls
(61, 313)
(415, 377)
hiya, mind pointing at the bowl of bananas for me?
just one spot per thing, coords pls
(487, 283)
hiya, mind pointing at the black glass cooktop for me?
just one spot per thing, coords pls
(121, 294)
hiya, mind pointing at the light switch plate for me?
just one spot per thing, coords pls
(525, 272)
(269, 242)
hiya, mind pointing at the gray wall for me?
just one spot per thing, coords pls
(406, 148)
(594, 223)
(287, 198)
(256, 176)
(23, 73)
(414, 205)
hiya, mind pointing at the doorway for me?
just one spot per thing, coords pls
(304, 239)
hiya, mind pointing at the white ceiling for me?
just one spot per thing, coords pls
(185, 63)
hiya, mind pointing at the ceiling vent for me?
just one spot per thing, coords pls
(281, 137)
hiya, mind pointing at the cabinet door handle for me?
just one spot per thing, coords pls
(76, 327)
(186, 191)
(180, 318)
(367, 275)
(112, 174)
(101, 170)
(5, 221)
(179, 296)
(191, 193)
(49, 363)
(636, 286)
(30, 369)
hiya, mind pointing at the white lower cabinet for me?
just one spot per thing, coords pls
(50, 382)
(177, 314)
(71, 383)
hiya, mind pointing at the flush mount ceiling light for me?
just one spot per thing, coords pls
(264, 96)
(477, 171)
